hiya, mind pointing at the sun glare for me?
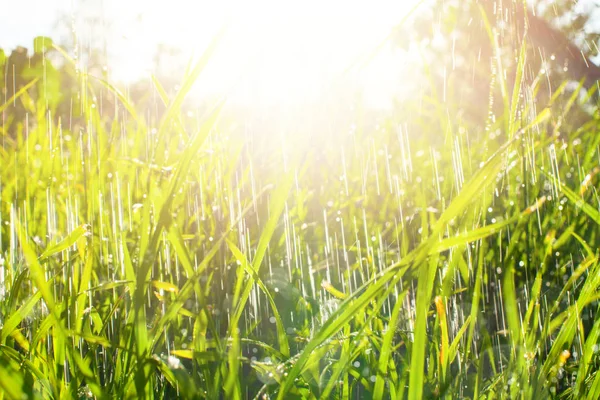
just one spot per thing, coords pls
(294, 55)
(273, 52)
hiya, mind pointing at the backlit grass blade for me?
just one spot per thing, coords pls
(161, 91)
(386, 349)
(284, 346)
(418, 354)
(186, 291)
(277, 202)
(485, 176)
(453, 349)
(37, 272)
(586, 358)
(444, 340)
(141, 341)
(189, 80)
(15, 319)
(493, 40)
(64, 244)
(351, 349)
(510, 305)
(569, 327)
(122, 98)
(347, 311)
(581, 204)
(20, 92)
(517, 90)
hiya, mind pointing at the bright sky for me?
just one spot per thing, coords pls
(284, 51)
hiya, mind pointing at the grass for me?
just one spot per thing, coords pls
(191, 255)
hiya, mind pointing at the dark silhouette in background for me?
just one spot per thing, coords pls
(576, 64)
(465, 66)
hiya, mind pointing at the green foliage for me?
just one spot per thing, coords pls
(161, 255)
(42, 44)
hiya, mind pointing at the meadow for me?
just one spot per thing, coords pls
(202, 253)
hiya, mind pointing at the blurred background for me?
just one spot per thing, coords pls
(271, 52)
(275, 55)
